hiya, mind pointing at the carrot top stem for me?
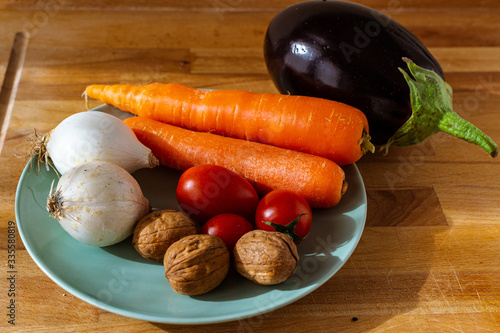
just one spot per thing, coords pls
(345, 185)
(365, 143)
(431, 100)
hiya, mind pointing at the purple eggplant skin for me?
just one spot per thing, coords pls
(349, 53)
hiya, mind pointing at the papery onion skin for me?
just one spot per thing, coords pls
(98, 203)
(96, 136)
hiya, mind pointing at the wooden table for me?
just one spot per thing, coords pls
(429, 257)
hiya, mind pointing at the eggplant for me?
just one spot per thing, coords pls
(353, 54)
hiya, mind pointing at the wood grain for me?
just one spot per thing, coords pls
(404, 207)
(429, 257)
(240, 5)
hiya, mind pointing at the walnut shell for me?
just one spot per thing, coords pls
(156, 231)
(265, 257)
(196, 264)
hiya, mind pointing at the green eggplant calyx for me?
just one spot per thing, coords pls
(288, 229)
(431, 101)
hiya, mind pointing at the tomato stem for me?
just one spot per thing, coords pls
(288, 229)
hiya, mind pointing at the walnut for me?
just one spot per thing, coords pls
(265, 257)
(196, 264)
(158, 230)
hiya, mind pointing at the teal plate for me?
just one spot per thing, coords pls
(119, 280)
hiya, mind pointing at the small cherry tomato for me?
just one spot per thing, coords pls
(205, 191)
(228, 227)
(286, 212)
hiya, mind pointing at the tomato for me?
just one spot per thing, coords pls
(286, 212)
(204, 191)
(228, 227)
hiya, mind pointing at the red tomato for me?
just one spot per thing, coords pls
(289, 212)
(228, 227)
(204, 191)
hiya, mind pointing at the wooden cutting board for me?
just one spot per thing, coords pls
(429, 257)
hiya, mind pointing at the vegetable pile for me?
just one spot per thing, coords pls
(253, 165)
(220, 212)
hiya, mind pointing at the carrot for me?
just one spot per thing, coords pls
(313, 125)
(320, 181)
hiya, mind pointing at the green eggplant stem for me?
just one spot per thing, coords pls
(455, 125)
(431, 101)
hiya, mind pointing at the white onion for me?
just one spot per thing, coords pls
(98, 203)
(95, 136)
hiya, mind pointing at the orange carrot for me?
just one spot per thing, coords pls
(319, 180)
(313, 125)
